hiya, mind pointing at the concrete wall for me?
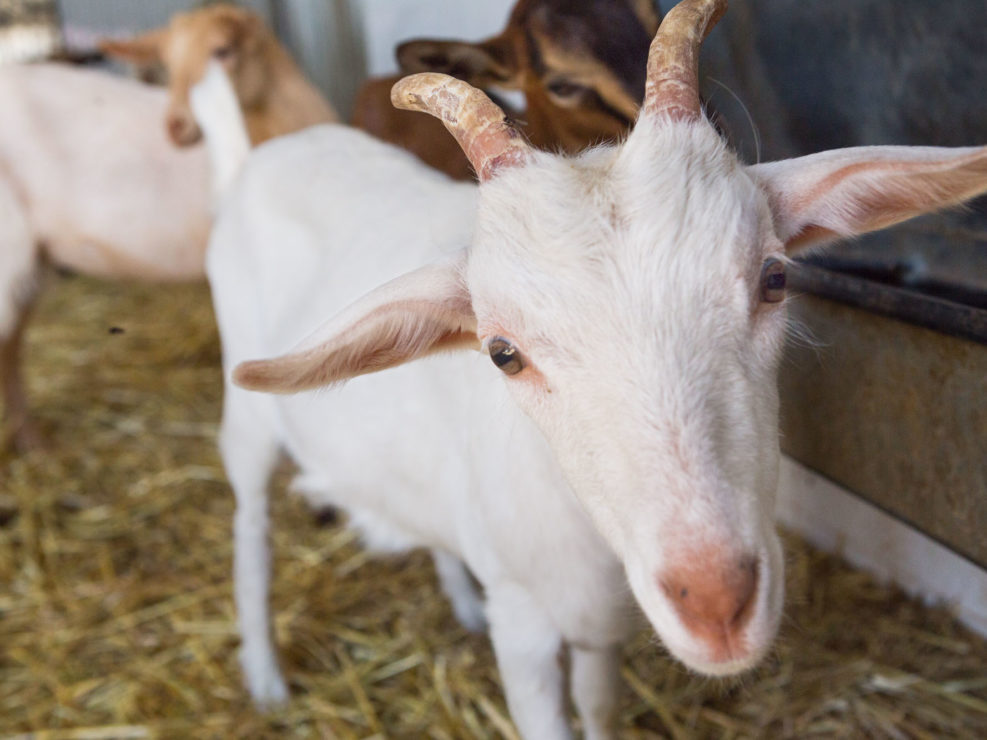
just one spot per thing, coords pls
(84, 19)
(814, 75)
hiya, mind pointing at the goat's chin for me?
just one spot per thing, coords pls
(746, 655)
(701, 664)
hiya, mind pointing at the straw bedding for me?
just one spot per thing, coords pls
(116, 616)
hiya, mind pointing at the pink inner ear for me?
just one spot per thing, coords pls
(388, 336)
(853, 191)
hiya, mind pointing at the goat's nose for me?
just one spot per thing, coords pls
(181, 130)
(714, 598)
(175, 128)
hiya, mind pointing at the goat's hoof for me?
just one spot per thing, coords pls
(9, 509)
(269, 694)
(263, 678)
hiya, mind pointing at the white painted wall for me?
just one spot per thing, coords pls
(835, 520)
(84, 21)
(342, 42)
(388, 22)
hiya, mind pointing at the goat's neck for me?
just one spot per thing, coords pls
(292, 102)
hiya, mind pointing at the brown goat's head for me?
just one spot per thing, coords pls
(579, 63)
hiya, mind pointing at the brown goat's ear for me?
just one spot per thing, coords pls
(248, 28)
(145, 49)
(845, 192)
(482, 64)
(648, 13)
(420, 313)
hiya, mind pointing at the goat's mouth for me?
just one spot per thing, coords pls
(719, 662)
(726, 647)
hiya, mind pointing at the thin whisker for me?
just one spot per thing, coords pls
(750, 119)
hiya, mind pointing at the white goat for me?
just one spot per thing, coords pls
(89, 181)
(633, 298)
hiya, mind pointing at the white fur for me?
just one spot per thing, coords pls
(215, 105)
(441, 435)
(89, 181)
(642, 435)
(94, 178)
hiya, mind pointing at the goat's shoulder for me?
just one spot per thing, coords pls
(336, 162)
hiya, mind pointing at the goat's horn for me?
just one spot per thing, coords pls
(673, 61)
(488, 140)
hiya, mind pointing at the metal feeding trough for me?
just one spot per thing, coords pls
(887, 395)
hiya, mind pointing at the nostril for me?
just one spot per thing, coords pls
(744, 591)
(706, 593)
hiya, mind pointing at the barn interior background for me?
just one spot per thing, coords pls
(115, 606)
(338, 42)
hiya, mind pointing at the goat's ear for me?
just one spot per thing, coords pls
(845, 192)
(648, 13)
(415, 315)
(248, 28)
(145, 49)
(481, 64)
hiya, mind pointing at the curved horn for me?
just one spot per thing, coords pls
(489, 141)
(673, 61)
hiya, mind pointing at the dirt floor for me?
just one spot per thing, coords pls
(116, 615)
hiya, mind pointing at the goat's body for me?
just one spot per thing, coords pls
(89, 181)
(102, 189)
(429, 454)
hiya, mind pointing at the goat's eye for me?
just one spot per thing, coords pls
(223, 52)
(505, 356)
(773, 280)
(565, 89)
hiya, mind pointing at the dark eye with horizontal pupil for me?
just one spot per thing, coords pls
(564, 89)
(773, 281)
(223, 52)
(505, 356)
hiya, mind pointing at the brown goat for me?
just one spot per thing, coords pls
(579, 64)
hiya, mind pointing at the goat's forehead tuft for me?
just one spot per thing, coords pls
(676, 185)
(617, 230)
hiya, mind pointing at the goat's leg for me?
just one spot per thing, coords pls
(595, 680)
(250, 453)
(458, 586)
(19, 430)
(18, 281)
(527, 646)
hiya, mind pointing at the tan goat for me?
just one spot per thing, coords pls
(275, 96)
